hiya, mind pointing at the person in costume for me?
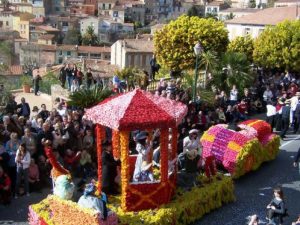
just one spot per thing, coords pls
(144, 149)
(90, 201)
(64, 187)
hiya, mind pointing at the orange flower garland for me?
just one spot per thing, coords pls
(116, 144)
(99, 155)
(164, 135)
(125, 176)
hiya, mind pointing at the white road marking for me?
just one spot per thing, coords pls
(286, 143)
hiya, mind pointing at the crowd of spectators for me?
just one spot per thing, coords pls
(24, 167)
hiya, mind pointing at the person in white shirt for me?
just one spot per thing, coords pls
(23, 162)
(294, 102)
(268, 94)
(233, 95)
(271, 113)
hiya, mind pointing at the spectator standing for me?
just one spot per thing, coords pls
(285, 118)
(34, 176)
(89, 78)
(29, 139)
(271, 113)
(69, 75)
(268, 95)
(36, 84)
(297, 118)
(23, 109)
(154, 67)
(79, 76)
(233, 95)
(63, 75)
(23, 161)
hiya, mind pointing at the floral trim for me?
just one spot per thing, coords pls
(125, 176)
(164, 135)
(99, 135)
(116, 144)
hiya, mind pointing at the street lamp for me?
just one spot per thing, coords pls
(197, 51)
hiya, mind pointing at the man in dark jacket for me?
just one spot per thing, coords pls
(12, 106)
(109, 171)
(36, 84)
(63, 76)
(23, 109)
(297, 118)
(285, 118)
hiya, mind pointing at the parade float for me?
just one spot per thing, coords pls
(156, 202)
(241, 151)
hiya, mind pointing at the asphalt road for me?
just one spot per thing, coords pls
(253, 193)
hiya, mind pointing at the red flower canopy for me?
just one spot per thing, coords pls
(137, 109)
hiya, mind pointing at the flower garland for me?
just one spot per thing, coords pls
(125, 176)
(116, 144)
(99, 135)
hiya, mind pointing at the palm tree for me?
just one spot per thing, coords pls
(234, 68)
(86, 98)
(209, 61)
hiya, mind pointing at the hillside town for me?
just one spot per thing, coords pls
(153, 112)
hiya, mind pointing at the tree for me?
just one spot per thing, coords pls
(133, 77)
(242, 45)
(234, 68)
(278, 46)
(195, 11)
(175, 42)
(90, 38)
(73, 37)
(208, 61)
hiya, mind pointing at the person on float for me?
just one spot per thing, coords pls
(191, 142)
(109, 171)
(144, 149)
(90, 201)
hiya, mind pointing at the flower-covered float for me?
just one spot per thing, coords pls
(156, 202)
(241, 151)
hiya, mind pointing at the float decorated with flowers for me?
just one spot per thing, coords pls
(156, 202)
(241, 151)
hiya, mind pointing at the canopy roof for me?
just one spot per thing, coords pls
(137, 109)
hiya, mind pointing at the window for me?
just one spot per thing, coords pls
(60, 52)
(247, 31)
(95, 56)
(109, 6)
(6, 23)
(68, 53)
(65, 24)
(103, 6)
(115, 14)
(84, 55)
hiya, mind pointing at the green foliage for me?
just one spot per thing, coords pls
(278, 46)
(26, 80)
(137, 24)
(73, 37)
(133, 76)
(47, 81)
(242, 45)
(5, 96)
(6, 48)
(90, 38)
(195, 10)
(234, 68)
(175, 42)
(230, 16)
(86, 98)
